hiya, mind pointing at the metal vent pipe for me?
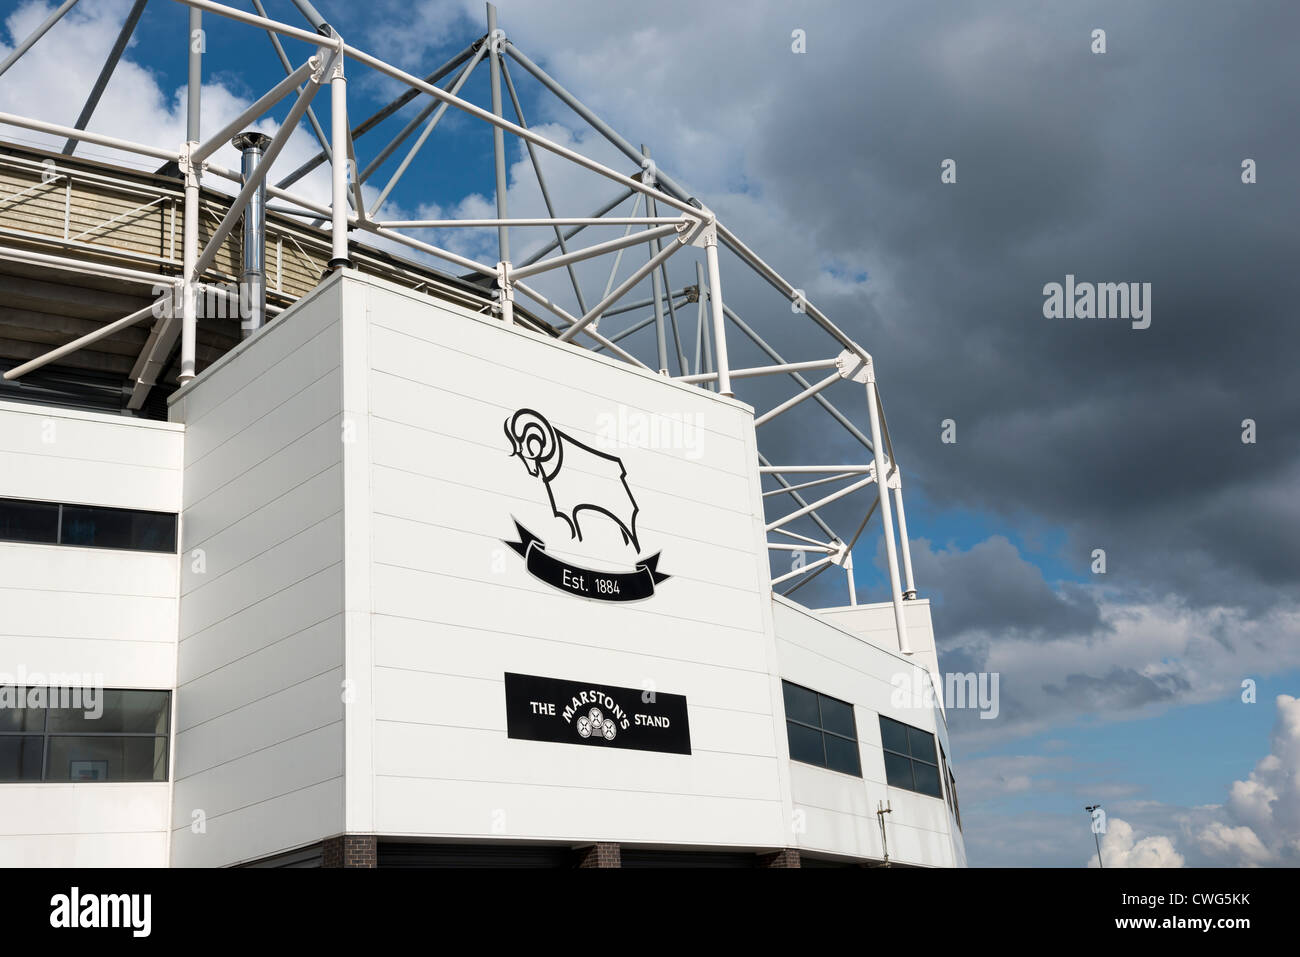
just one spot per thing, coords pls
(252, 291)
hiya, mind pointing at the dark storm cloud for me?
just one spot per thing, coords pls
(990, 587)
(1116, 167)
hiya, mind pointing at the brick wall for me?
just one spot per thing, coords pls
(600, 855)
(349, 850)
(786, 857)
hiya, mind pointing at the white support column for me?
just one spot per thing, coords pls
(853, 588)
(710, 238)
(886, 512)
(896, 482)
(339, 165)
(189, 258)
(506, 291)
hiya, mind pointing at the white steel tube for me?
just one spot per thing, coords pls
(189, 277)
(853, 588)
(591, 252)
(36, 34)
(339, 134)
(791, 402)
(762, 370)
(69, 132)
(90, 337)
(777, 469)
(886, 515)
(559, 221)
(274, 26)
(715, 303)
(834, 496)
(802, 571)
(910, 591)
(623, 288)
(272, 97)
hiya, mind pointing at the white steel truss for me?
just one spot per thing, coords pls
(672, 221)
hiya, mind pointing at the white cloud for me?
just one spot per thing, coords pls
(1264, 810)
(1120, 847)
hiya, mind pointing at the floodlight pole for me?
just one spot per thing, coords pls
(886, 512)
(1091, 808)
(190, 170)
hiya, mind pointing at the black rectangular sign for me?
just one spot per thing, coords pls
(603, 716)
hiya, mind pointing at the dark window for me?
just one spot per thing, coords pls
(956, 807)
(75, 734)
(29, 521)
(821, 730)
(945, 771)
(911, 761)
(89, 526)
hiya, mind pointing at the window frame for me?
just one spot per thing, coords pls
(822, 730)
(912, 759)
(47, 736)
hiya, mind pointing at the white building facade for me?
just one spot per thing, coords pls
(394, 587)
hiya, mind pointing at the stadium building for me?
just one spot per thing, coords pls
(322, 544)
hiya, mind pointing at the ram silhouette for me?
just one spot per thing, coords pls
(577, 477)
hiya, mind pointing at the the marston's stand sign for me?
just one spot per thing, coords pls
(579, 479)
(576, 712)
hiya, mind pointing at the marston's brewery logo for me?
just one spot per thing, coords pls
(577, 479)
(594, 724)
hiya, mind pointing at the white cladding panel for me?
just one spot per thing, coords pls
(90, 616)
(454, 608)
(259, 703)
(842, 820)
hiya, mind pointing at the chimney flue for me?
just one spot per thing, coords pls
(252, 292)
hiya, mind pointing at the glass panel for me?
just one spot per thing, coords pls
(837, 716)
(20, 758)
(800, 704)
(842, 755)
(107, 759)
(927, 779)
(805, 744)
(922, 745)
(15, 715)
(129, 712)
(29, 521)
(98, 527)
(898, 771)
(893, 735)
